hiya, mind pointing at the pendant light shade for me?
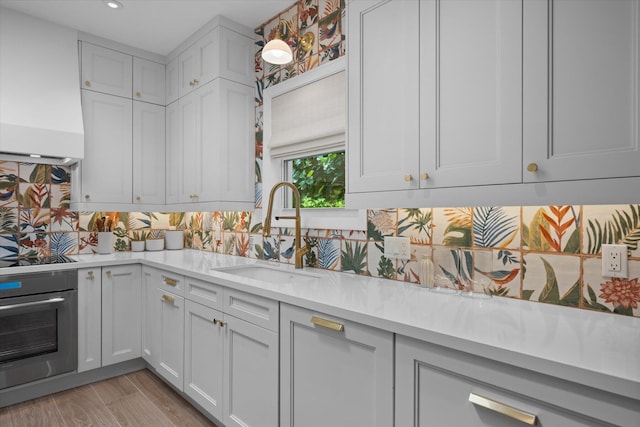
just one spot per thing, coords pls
(277, 52)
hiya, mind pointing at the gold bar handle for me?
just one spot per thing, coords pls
(169, 281)
(168, 299)
(329, 324)
(503, 409)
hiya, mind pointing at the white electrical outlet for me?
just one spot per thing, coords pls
(614, 261)
(397, 247)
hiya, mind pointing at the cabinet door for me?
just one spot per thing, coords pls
(198, 65)
(148, 153)
(236, 57)
(105, 70)
(250, 375)
(203, 357)
(581, 89)
(187, 66)
(172, 83)
(174, 152)
(149, 315)
(148, 81)
(170, 356)
(89, 319)
(470, 92)
(192, 158)
(107, 164)
(334, 377)
(234, 139)
(383, 95)
(121, 299)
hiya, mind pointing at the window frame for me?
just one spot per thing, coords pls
(273, 170)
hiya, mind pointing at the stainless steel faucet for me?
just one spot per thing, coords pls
(299, 251)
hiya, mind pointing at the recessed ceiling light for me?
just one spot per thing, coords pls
(113, 4)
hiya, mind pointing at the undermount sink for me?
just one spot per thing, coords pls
(271, 274)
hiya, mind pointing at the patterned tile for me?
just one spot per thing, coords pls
(64, 243)
(60, 175)
(160, 220)
(307, 13)
(8, 220)
(35, 173)
(378, 264)
(415, 224)
(452, 227)
(552, 278)
(381, 222)
(34, 195)
(496, 227)
(35, 220)
(610, 294)
(243, 245)
(330, 22)
(606, 224)
(329, 254)
(87, 242)
(9, 180)
(551, 228)
(34, 244)
(9, 245)
(64, 220)
(60, 196)
(287, 249)
(354, 256)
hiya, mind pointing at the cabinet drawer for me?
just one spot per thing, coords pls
(257, 310)
(447, 388)
(171, 282)
(206, 293)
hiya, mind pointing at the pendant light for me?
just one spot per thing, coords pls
(277, 51)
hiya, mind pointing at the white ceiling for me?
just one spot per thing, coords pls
(156, 26)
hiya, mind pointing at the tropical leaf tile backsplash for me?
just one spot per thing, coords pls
(548, 254)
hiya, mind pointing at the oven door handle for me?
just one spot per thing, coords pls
(31, 304)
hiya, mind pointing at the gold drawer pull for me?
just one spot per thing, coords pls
(168, 299)
(334, 326)
(503, 409)
(532, 167)
(169, 281)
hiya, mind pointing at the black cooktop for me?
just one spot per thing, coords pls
(21, 262)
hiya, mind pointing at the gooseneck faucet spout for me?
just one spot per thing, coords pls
(299, 251)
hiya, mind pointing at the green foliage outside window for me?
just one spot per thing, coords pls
(320, 179)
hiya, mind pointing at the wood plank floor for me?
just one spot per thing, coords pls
(136, 399)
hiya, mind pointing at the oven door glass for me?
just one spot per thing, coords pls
(38, 337)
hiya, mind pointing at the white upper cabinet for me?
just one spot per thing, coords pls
(581, 89)
(148, 153)
(172, 82)
(107, 165)
(105, 70)
(475, 101)
(220, 53)
(215, 140)
(148, 81)
(470, 93)
(174, 153)
(383, 132)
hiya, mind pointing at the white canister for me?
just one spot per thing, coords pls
(137, 245)
(174, 239)
(105, 242)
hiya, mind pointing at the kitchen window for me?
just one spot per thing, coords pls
(304, 143)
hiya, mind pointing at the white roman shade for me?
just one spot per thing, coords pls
(309, 119)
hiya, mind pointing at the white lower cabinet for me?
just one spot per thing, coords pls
(231, 363)
(163, 323)
(89, 319)
(121, 298)
(437, 386)
(203, 343)
(170, 337)
(334, 372)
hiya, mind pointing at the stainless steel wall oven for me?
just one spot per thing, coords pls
(38, 326)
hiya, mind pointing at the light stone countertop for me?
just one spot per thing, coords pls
(591, 348)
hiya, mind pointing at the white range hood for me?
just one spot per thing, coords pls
(40, 111)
